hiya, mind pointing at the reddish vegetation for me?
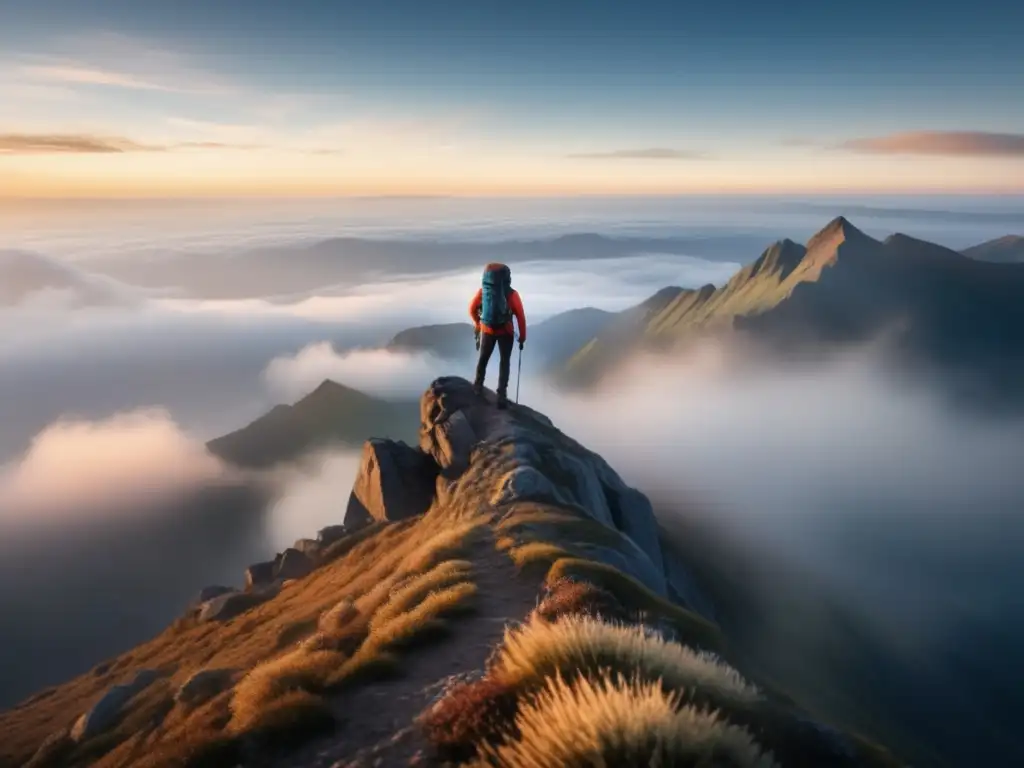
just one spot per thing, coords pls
(566, 597)
(470, 713)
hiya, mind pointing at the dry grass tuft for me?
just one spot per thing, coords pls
(582, 646)
(537, 552)
(337, 616)
(366, 665)
(290, 720)
(299, 670)
(542, 522)
(691, 628)
(424, 620)
(468, 715)
(449, 543)
(413, 591)
(612, 722)
(295, 632)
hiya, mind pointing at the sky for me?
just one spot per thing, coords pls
(123, 98)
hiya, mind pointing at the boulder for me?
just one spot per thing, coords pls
(450, 443)
(395, 481)
(259, 574)
(293, 565)
(204, 685)
(309, 547)
(522, 484)
(444, 397)
(327, 536)
(225, 607)
(212, 591)
(104, 714)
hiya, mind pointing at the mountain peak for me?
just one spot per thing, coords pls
(839, 226)
(330, 392)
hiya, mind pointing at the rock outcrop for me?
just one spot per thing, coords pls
(395, 481)
(204, 685)
(105, 712)
(517, 460)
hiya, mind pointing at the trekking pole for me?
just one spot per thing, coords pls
(519, 374)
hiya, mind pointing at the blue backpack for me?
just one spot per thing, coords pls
(494, 309)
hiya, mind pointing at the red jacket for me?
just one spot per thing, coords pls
(514, 303)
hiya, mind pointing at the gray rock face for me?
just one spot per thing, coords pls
(395, 481)
(204, 685)
(586, 486)
(259, 574)
(293, 565)
(519, 456)
(634, 516)
(524, 483)
(681, 587)
(446, 432)
(450, 444)
(225, 607)
(212, 591)
(332, 533)
(309, 547)
(106, 711)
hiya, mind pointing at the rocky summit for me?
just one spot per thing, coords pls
(494, 595)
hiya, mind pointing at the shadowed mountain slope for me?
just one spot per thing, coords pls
(551, 341)
(331, 414)
(1003, 250)
(942, 308)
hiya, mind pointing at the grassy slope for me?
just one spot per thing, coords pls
(393, 583)
(377, 576)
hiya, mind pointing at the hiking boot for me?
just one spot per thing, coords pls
(478, 390)
(502, 401)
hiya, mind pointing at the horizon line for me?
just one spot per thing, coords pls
(539, 195)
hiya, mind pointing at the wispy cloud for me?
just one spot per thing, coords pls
(84, 75)
(648, 153)
(87, 144)
(799, 141)
(214, 145)
(115, 61)
(80, 144)
(947, 143)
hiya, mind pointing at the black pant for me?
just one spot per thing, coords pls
(487, 342)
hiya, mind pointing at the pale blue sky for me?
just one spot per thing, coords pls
(109, 97)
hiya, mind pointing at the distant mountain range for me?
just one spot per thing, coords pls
(1004, 250)
(949, 310)
(550, 342)
(24, 274)
(332, 414)
(347, 262)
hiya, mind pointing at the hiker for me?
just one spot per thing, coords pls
(492, 309)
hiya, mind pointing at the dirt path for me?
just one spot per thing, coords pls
(377, 721)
